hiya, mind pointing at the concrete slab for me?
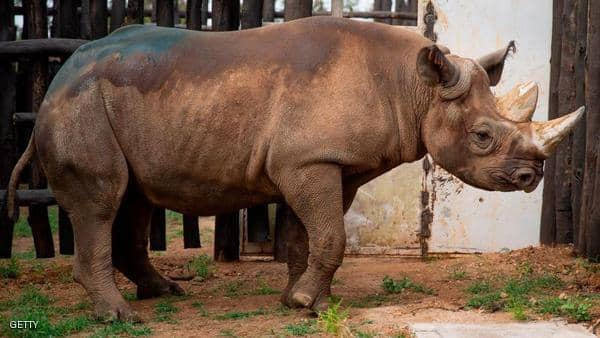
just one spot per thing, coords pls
(549, 329)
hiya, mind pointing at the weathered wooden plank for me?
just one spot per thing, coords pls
(268, 10)
(39, 47)
(98, 19)
(282, 226)
(225, 15)
(32, 196)
(7, 135)
(251, 15)
(191, 232)
(135, 12)
(589, 229)
(227, 237)
(194, 15)
(67, 19)
(548, 221)
(117, 14)
(406, 6)
(164, 13)
(383, 5)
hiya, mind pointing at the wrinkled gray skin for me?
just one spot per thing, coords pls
(207, 123)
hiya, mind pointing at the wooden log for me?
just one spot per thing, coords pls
(191, 232)
(296, 9)
(578, 147)
(24, 118)
(66, 242)
(117, 14)
(39, 47)
(589, 228)
(84, 18)
(32, 196)
(225, 15)
(406, 6)
(268, 10)
(282, 221)
(98, 19)
(566, 104)
(135, 12)
(67, 19)
(158, 230)
(164, 13)
(194, 15)
(7, 135)
(36, 27)
(548, 221)
(251, 15)
(227, 237)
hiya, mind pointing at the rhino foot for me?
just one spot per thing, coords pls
(110, 313)
(158, 289)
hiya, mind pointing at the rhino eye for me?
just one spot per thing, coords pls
(481, 140)
(482, 136)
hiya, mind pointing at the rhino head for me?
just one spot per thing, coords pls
(487, 142)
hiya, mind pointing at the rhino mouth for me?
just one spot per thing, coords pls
(524, 178)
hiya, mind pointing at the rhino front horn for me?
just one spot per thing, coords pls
(547, 135)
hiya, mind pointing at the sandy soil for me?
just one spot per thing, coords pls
(358, 283)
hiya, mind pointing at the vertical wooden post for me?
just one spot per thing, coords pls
(296, 9)
(7, 136)
(548, 222)
(117, 14)
(204, 13)
(589, 230)
(282, 220)
(135, 12)
(268, 10)
(226, 17)
(251, 15)
(68, 27)
(337, 8)
(383, 5)
(164, 13)
(36, 21)
(98, 19)
(578, 148)
(409, 6)
(194, 14)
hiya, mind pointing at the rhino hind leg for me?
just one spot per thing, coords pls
(315, 195)
(297, 254)
(130, 242)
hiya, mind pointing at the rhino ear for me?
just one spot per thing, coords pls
(494, 63)
(434, 68)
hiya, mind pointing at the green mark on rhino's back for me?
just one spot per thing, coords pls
(125, 41)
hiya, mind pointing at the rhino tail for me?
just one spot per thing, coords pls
(14, 178)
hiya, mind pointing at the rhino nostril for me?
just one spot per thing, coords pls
(525, 177)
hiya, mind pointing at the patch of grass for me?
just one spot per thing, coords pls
(488, 301)
(479, 287)
(282, 310)
(589, 266)
(234, 288)
(121, 328)
(22, 228)
(390, 285)
(235, 315)
(369, 301)
(458, 274)
(174, 216)
(200, 307)
(164, 310)
(518, 312)
(302, 328)
(202, 266)
(10, 268)
(333, 320)
(129, 296)
(30, 254)
(362, 334)
(264, 289)
(227, 333)
(575, 308)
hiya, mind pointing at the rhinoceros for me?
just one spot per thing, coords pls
(303, 112)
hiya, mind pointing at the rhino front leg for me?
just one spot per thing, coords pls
(130, 247)
(315, 194)
(297, 253)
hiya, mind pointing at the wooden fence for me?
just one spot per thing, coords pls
(571, 205)
(28, 65)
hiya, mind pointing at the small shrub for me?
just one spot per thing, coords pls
(489, 301)
(202, 266)
(458, 275)
(333, 320)
(241, 314)
(234, 288)
(264, 289)
(164, 310)
(479, 287)
(574, 308)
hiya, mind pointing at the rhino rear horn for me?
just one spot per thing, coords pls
(494, 63)
(519, 103)
(434, 68)
(547, 135)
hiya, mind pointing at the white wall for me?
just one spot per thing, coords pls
(465, 218)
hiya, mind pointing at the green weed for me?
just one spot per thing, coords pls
(241, 314)
(129, 296)
(227, 333)
(164, 310)
(10, 268)
(576, 308)
(234, 288)
(479, 287)
(201, 309)
(120, 328)
(202, 266)
(333, 320)
(458, 274)
(390, 285)
(264, 289)
(302, 328)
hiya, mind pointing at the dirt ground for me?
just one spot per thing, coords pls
(242, 298)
